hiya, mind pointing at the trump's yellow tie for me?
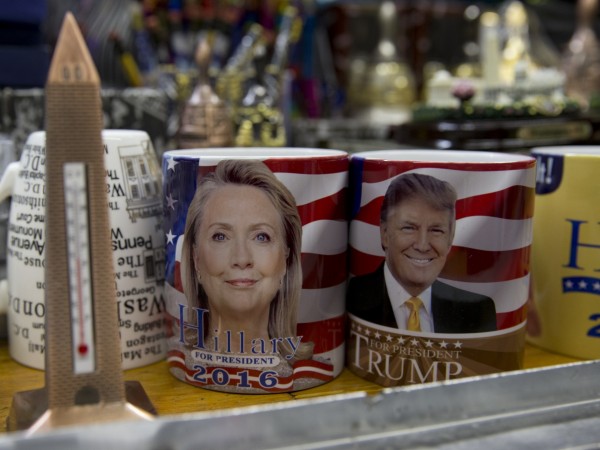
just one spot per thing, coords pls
(414, 323)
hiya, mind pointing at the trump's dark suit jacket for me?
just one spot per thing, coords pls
(454, 310)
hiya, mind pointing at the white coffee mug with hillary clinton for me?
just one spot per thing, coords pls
(248, 314)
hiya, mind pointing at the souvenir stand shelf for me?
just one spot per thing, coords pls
(495, 134)
(536, 397)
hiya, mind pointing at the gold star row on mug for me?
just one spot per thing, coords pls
(403, 339)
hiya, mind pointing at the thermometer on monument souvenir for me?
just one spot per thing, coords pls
(84, 384)
(78, 251)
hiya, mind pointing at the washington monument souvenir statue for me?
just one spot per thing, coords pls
(205, 120)
(84, 382)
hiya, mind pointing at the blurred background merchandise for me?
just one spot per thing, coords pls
(332, 73)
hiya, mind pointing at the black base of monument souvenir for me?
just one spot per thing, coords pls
(28, 406)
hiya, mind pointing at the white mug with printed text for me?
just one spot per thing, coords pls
(133, 184)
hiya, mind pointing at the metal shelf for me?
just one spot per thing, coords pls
(553, 407)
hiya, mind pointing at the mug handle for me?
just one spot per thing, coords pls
(3, 296)
(7, 183)
(9, 177)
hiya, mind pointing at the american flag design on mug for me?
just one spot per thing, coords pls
(318, 181)
(489, 257)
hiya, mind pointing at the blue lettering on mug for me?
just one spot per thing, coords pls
(575, 244)
(590, 285)
(595, 330)
(549, 173)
